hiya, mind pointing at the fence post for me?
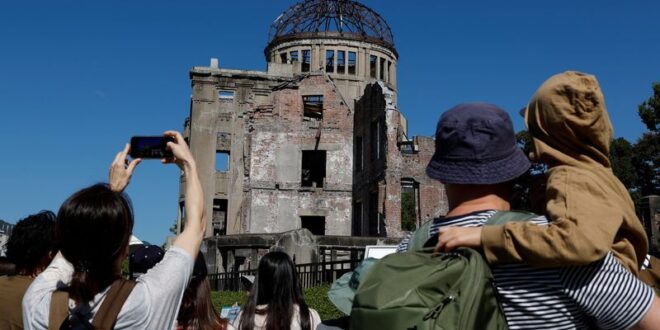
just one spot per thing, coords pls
(333, 257)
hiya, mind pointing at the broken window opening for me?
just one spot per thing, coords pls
(221, 161)
(283, 58)
(373, 61)
(375, 139)
(382, 69)
(409, 204)
(294, 56)
(219, 221)
(306, 60)
(357, 219)
(389, 71)
(373, 214)
(313, 168)
(351, 62)
(408, 147)
(315, 224)
(313, 106)
(358, 153)
(341, 61)
(330, 61)
(226, 95)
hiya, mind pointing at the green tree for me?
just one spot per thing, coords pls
(173, 228)
(649, 110)
(408, 219)
(646, 161)
(522, 198)
(621, 158)
(646, 158)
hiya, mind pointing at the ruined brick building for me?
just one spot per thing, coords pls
(317, 141)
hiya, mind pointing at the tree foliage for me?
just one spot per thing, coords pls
(649, 110)
(621, 158)
(173, 228)
(408, 218)
(646, 161)
(646, 152)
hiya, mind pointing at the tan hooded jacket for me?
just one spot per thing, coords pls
(589, 209)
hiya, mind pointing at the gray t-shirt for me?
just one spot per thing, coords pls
(153, 303)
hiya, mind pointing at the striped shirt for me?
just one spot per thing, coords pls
(601, 295)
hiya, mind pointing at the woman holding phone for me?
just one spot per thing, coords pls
(92, 230)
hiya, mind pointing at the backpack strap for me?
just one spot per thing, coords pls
(59, 309)
(420, 236)
(119, 291)
(502, 217)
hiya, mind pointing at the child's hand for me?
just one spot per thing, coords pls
(450, 238)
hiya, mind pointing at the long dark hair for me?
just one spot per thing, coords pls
(196, 311)
(92, 231)
(277, 286)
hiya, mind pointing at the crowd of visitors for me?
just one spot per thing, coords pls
(573, 267)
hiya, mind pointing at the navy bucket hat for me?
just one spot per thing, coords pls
(475, 144)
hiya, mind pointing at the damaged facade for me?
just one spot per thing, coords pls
(317, 141)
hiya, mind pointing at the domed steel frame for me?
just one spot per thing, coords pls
(330, 18)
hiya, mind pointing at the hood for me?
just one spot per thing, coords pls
(568, 121)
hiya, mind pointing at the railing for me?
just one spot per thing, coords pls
(310, 275)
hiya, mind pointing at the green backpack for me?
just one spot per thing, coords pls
(419, 290)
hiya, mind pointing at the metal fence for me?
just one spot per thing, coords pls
(310, 275)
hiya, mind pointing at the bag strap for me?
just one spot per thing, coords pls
(502, 217)
(107, 314)
(59, 309)
(420, 236)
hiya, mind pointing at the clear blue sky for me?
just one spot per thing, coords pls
(79, 78)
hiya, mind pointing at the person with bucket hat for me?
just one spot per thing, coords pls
(590, 210)
(477, 159)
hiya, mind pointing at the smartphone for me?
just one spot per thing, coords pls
(150, 147)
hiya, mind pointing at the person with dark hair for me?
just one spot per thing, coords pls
(83, 288)
(30, 249)
(6, 267)
(276, 301)
(197, 312)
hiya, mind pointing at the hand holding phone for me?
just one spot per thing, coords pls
(151, 147)
(181, 153)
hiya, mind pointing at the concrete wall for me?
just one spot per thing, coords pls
(257, 118)
(278, 137)
(377, 187)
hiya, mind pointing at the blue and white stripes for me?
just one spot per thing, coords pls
(601, 295)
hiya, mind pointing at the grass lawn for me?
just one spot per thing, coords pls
(316, 297)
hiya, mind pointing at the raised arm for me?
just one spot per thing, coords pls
(191, 237)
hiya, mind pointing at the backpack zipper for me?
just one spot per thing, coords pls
(437, 309)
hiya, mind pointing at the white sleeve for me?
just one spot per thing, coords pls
(163, 286)
(315, 318)
(36, 301)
